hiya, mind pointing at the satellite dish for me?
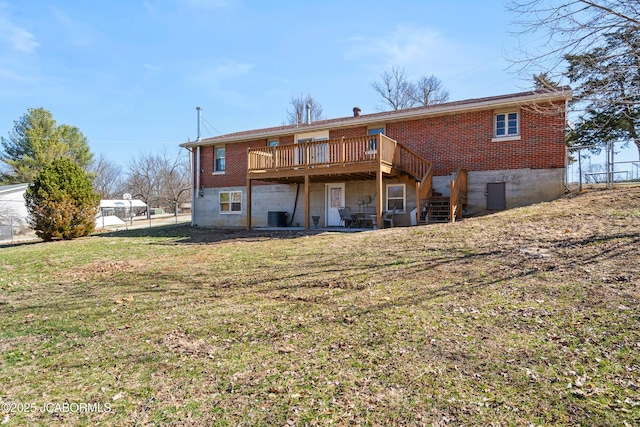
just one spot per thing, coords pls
(126, 196)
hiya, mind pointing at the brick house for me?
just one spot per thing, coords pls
(469, 156)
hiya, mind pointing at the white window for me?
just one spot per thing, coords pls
(230, 202)
(396, 196)
(506, 124)
(219, 160)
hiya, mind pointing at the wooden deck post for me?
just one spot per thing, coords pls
(307, 203)
(379, 199)
(418, 207)
(248, 203)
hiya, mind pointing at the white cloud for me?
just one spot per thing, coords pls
(17, 37)
(403, 47)
(12, 75)
(23, 40)
(212, 74)
(152, 68)
(76, 32)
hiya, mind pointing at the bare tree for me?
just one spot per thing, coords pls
(395, 89)
(143, 180)
(108, 178)
(429, 91)
(175, 180)
(159, 180)
(399, 93)
(567, 27)
(300, 104)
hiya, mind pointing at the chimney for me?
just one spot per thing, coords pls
(199, 109)
(356, 111)
(308, 114)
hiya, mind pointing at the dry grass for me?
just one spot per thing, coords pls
(526, 317)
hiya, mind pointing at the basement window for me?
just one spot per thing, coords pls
(396, 196)
(230, 202)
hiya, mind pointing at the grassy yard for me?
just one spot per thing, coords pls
(526, 317)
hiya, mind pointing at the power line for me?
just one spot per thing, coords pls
(214, 128)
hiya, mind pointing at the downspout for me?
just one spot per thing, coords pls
(197, 176)
(198, 170)
(193, 189)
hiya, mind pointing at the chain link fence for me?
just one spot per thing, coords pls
(12, 229)
(602, 165)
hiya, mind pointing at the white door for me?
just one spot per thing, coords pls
(335, 200)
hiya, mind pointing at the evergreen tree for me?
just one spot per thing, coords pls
(61, 201)
(36, 141)
(608, 85)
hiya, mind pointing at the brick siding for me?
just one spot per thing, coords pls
(449, 141)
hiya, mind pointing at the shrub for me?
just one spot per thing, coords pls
(61, 202)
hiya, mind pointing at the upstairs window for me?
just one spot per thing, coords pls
(372, 145)
(218, 162)
(506, 124)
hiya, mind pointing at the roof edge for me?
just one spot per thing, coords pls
(501, 101)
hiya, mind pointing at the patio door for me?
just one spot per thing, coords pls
(335, 200)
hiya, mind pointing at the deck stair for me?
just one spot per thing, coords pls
(438, 209)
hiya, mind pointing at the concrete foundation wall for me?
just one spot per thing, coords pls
(282, 197)
(522, 187)
(356, 192)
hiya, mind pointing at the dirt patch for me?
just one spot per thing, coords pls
(97, 268)
(181, 343)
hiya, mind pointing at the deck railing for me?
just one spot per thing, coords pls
(413, 164)
(331, 152)
(458, 194)
(339, 152)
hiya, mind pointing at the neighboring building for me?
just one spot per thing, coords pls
(13, 210)
(502, 151)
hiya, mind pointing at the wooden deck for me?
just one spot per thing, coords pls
(369, 157)
(345, 156)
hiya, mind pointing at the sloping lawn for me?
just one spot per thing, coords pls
(525, 317)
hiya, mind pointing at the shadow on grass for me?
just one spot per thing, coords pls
(187, 234)
(20, 243)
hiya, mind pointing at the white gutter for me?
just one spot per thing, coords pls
(193, 189)
(442, 109)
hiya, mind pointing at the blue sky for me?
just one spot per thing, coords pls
(130, 73)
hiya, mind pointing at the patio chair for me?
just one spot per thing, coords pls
(388, 217)
(347, 219)
(369, 214)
